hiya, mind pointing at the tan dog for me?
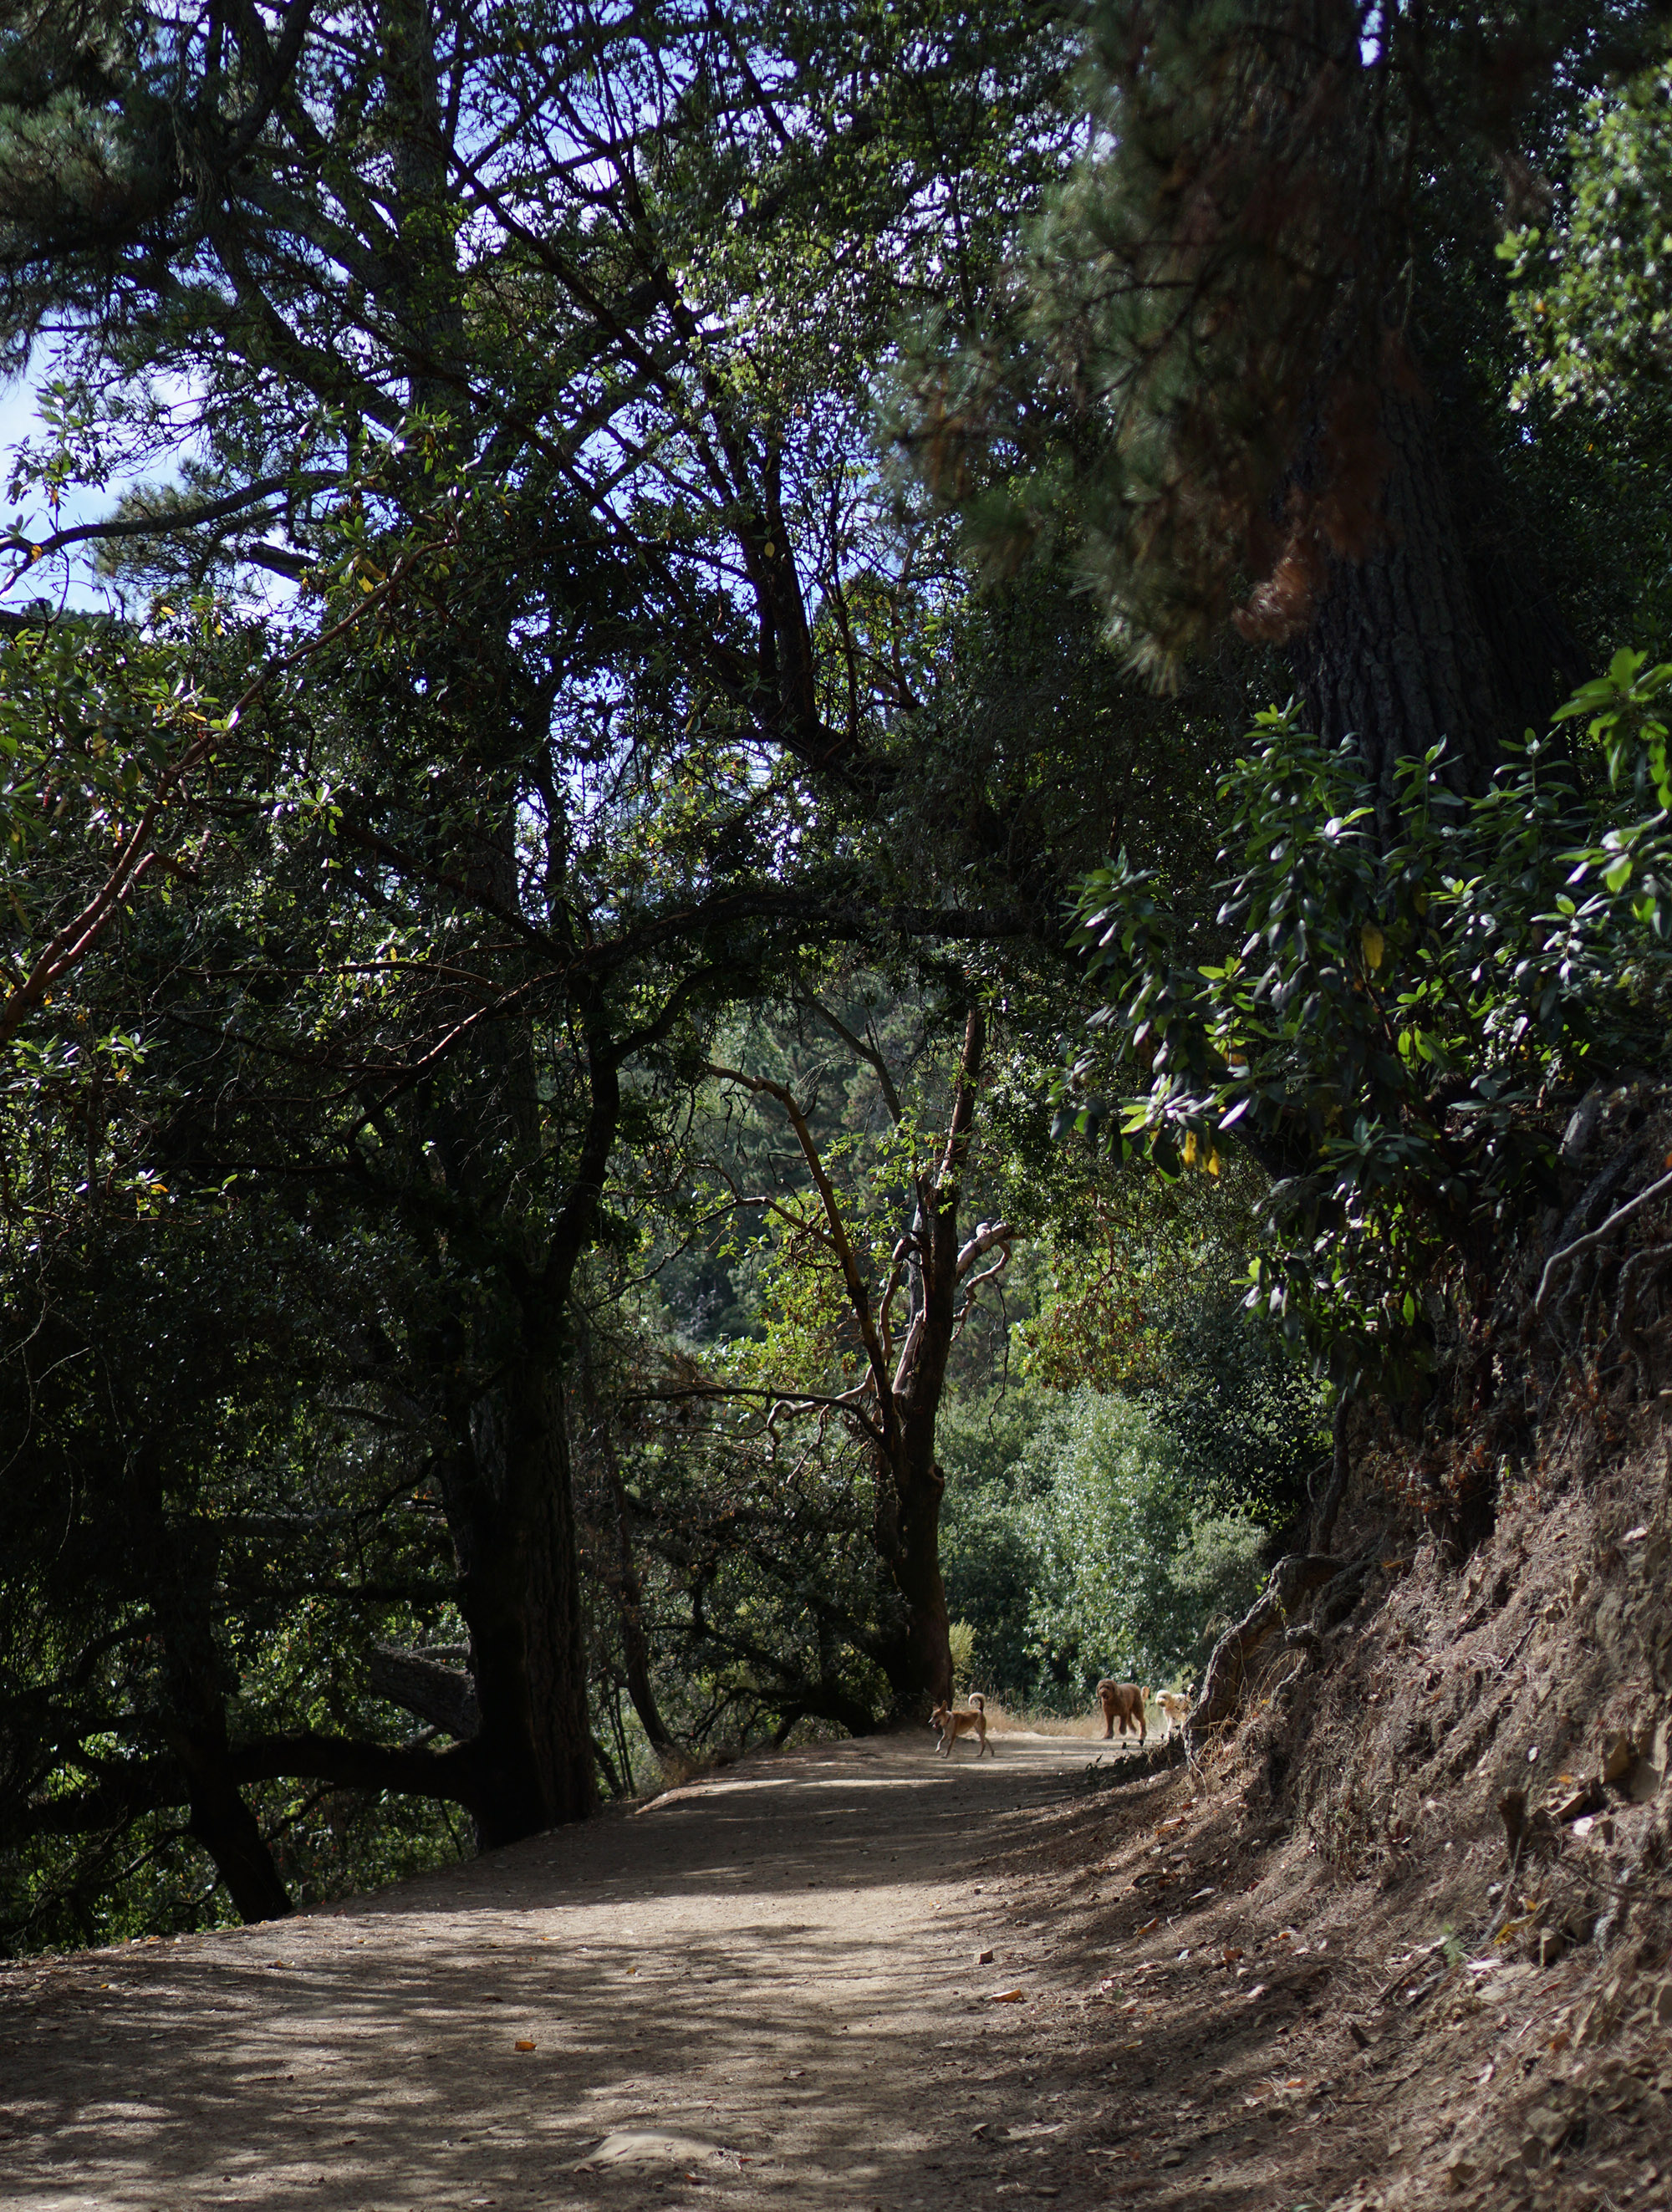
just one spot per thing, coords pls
(954, 1721)
(1123, 1702)
(1176, 1704)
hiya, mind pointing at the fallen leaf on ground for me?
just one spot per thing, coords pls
(525, 2043)
(646, 2147)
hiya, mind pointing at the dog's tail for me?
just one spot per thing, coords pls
(978, 1701)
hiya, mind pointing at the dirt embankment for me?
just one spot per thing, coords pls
(1407, 1939)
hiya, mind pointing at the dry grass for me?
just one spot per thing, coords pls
(1087, 1727)
(1001, 1721)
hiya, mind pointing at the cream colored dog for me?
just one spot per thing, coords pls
(1176, 1704)
(954, 1721)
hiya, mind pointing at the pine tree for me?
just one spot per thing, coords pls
(1228, 359)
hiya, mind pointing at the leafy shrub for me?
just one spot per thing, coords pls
(1089, 1549)
(1594, 294)
(1127, 1577)
(987, 1558)
(1399, 996)
(1147, 1302)
(1221, 1563)
(1243, 1409)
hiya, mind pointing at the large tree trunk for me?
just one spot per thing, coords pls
(512, 1514)
(1445, 630)
(224, 1825)
(911, 1484)
(198, 1679)
(917, 1659)
(919, 1663)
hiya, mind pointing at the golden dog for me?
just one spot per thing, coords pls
(954, 1721)
(1123, 1702)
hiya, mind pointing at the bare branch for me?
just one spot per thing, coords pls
(1597, 1237)
(160, 523)
(988, 1234)
(866, 1051)
(858, 1297)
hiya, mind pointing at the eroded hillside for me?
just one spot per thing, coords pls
(1401, 1932)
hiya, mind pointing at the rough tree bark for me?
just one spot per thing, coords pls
(1292, 1579)
(1445, 629)
(910, 1485)
(511, 1511)
(425, 1683)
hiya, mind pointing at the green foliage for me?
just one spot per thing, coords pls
(1103, 1526)
(1241, 1407)
(1222, 1565)
(1593, 302)
(1397, 999)
(762, 1601)
(987, 1557)
(1201, 324)
(211, 1512)
(614, 694)
(1589, 398)
(1073, 1544)
(102, 725)
(1141, 1293)
(961, 1637)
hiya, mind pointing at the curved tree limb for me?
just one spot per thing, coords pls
(419, 1683)
(1293, 1580)
(1621, 1214)
(352, 1764)
(858, 1298)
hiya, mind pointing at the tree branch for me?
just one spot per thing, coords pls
(858, 1297)
(868, 1053)
(1597, 1237)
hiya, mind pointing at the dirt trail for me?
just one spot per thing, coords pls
(761, 1985)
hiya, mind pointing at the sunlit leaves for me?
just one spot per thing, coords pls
(1407, 993)
(1594, 288)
